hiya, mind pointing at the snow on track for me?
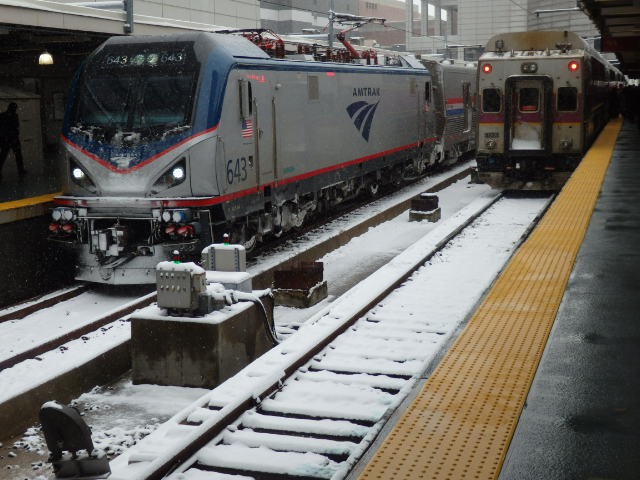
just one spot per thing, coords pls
(360, 378)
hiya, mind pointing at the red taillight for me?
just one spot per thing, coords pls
(574, 65)
(68, 228)
(186, 231)
(170, 229)
(487, 68)
(54, 227)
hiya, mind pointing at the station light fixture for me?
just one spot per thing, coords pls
(45, 58)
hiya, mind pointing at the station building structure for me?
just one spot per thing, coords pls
(67, 32)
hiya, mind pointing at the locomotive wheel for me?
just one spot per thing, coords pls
(250, 243)
(245, 237)
(397, 176)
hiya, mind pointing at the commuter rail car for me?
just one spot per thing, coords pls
(171, 141)
(543, 100)
(453, 96)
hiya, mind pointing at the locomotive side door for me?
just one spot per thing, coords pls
(528, 115)
(429, 107)
(265, 134)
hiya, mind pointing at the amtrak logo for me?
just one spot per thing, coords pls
(362, 115)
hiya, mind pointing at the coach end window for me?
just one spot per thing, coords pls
(491, 100)
(529, 100)
(567, 99)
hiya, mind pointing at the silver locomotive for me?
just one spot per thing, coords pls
(170, 141)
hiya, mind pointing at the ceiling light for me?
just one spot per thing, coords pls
(45, 58)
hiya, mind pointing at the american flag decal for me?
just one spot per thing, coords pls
(247, 128)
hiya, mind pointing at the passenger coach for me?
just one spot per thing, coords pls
(543, 101)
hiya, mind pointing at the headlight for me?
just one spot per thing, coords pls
(63, 214)
(67, 214)
(181, 216)
(178, 173)
(566, 144)
(175, 175)
(80, 178)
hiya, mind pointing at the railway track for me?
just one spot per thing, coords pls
(311, 407)
(14, 416)
(47, 344)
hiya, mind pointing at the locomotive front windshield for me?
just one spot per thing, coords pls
(141, 93)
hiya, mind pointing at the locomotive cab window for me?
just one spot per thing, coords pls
(147, 91)
(567, 99)
(491, 100)
(529, 100)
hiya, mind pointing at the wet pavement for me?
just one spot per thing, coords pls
(582, 417)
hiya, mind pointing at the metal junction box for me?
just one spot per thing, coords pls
(223, 257)
(179, 285)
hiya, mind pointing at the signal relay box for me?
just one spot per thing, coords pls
(180, 285)
(223, 257)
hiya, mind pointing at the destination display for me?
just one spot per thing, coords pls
(150, 59)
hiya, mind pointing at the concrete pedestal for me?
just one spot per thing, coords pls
(301, 298)
(430, 216)
(424, 207)
(200, 351)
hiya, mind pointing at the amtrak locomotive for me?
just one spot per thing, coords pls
(171, 141)
(543, 101)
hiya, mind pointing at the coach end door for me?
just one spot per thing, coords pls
(529, 115)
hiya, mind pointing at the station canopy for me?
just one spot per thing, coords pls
(619, 24)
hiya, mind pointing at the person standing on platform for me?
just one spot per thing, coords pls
(10, 137)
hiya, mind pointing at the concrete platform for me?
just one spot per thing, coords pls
(42, 179)
(582, 416)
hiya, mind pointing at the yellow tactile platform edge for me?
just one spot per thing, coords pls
(26, 208)
(461, 424)
(28, 202)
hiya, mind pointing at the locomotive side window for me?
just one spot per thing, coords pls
(567, 99)
(491, 100)
(427, 92)
(313, 87)
(246, 105)
(529, 100)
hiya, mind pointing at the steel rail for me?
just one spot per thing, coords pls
(158, 469)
